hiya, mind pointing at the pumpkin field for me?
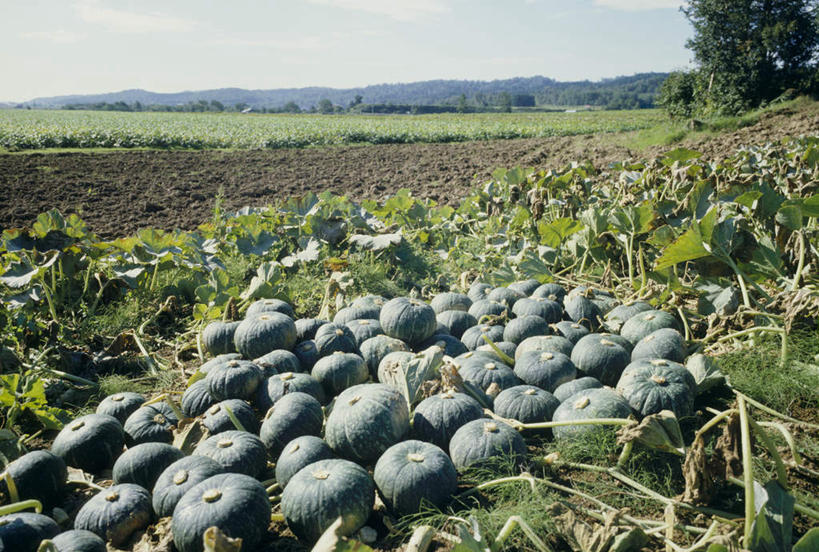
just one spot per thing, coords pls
(586, 357)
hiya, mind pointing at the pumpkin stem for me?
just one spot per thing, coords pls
(212, 495)
(112, 497)
(321, 474)
(581, 403)
(180, 477)
(415, 457)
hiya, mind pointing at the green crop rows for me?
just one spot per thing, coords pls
(25, 130)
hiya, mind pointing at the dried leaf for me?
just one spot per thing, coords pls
(699, 483)
(215, 541)
(156, 538)
(727, 453)
(659, 431)
(123, 343)
(332, 541)
(188, 434)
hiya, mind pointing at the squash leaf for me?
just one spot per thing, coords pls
(772, 529)
(809, 541)
(333, 541)
(706, 373)
(376, 243)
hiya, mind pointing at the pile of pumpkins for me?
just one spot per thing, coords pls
(309, 397)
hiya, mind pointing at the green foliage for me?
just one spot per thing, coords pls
(23, 395)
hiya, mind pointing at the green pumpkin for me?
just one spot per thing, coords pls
(364, 329)
(480, 440)
(639, 326)
(292, 416)
(585, 405)
(478, 291)
(306, 328)
(236, 451)
(265, 306)
(450, 300)
(142, 464)
(339, 371)
(456, 322)
(217, 337)
(307, 353)
(90, 443)
(486, 309)
(572, 331)
(217, 420)
(365, 421)
(525, 403)
(545, 369)
(23, 531)
(39, 475)
(548, 310)
(437, 418)
(566, 390)
(618, 316)
(216, 361)
(665, 343)
(178, 478)
(276, 387)
(266, 332)
(197, 399)
(413, 472)
(473, 337)
(235, 379)
(234, 503)
(583, 310)
(376, 348)
(525, 326)
(505, 296)
(409, 320)
(116, 513)
(332, 338)
(365, 312)
(369, 301)
(120, 405)
(299, 453)
(526, 287)
(506, 347)
(488, 374)
(153, 423)
(553, 292)
(322, 492)
(78, 540)
(650, 386)
(278, 362)
(451, 345)
(544, 343)
(601, 358)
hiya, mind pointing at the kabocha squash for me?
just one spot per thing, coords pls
(292, 416)
(236, 451)
(665, 343)
(114, 514)
(216, 361)
(525, 326)
(365, 421)
(485, 309)
(120, 405)
(276, 387)
(601, 358)
(153, 423)
(178, 478)
(78, 540)
(217, 337)
(258, 335)
(299, 453)
(478, 291)
(553, 292)
(437, 418)
(456, 322)
(339, 371)
(324, 491)
(525, 403)
(526, 287)
(197, 399)
(650, 386)
(409, 320)
(307, 353)
(479, 440)
(617, 316)
(363, 329)
(544, 343)
(376, 348)
(569, 388)
(506, 347)
(90, 443)
(545, 369)
(264, 306)
(142, 464)
(505, 296)
(585, 405)
(23, 531)
(485, 374)
(306, 328)
(548, 310)
(452, 346)
(369, 301)
(217, 420)
(584, 311)
(639, 326)
(237, 504)
(620, 340)
(348, 314)
(473, 337)
(413, 472)
(235, 379)
(450, 300)
(572, 331)
(332, 338)
(39, 475)
(277, 362)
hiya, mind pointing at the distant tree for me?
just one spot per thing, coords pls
(505, 102)
(291, 107)
(216, 105)
(241, 106)
(480, 99)
(325, 106)
(462, 107)
(357, 101)
(523, 100)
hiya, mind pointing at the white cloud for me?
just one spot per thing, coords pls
(288, 43)
(57, 37)
(639, 5)
(401, 10)
(122, 21)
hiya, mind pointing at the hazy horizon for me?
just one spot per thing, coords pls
(80, 47)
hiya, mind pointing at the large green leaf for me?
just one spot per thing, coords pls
(790, 216)
(378, 242)
(809, 542)
(772, 529)
(264, 284)
(688, 247)
(679, 155)
(555, 233)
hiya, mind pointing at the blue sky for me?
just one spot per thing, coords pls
(54, 47)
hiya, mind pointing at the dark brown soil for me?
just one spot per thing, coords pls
(117, 193)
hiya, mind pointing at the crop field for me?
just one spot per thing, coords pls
(617, 358)
(32, 129)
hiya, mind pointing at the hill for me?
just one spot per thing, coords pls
(622, 92)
